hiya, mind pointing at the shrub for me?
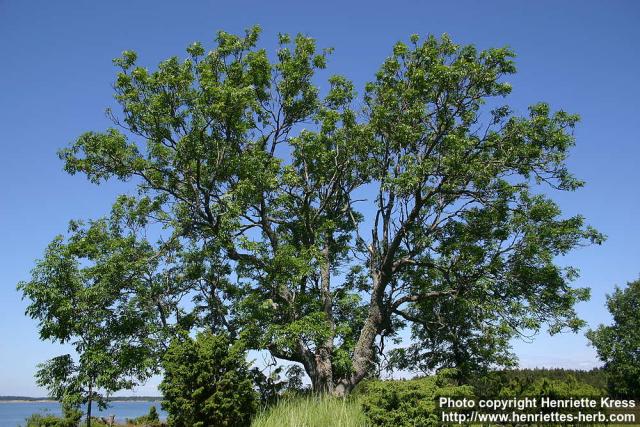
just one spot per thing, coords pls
(556, 389)
(42, 420)
(412, 403)
(495, 383)
(71, 418)
(540, 382)
(207, 383)
(152, 419)
(548, 387)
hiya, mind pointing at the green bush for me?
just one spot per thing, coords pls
(548, 387)
(207, 383)
(152, 419)
(534, 382)
(42, 420)
(71, 418)
(412, 403)
(491, 384)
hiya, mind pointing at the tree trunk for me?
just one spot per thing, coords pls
(323, 369)
(322, 380)
(318, 364)
(89, 405)
(363, 355)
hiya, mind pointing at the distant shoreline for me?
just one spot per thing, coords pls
(21, 399)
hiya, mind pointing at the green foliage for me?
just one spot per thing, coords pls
(316, 224)
(312, 411)
(556, 384)
(618, 345)
(152, 419)
(566, 388)
(41, 420)
(495, 383)
(90, 291)
(70, 418)
(466, 335)
(537, 387)
(153, 414)
(407, 402)
(207, 383)
(274, 386)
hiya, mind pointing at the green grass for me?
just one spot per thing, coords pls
(312, 411)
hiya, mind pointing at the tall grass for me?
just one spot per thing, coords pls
(312, 411)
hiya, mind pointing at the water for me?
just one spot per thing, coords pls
(13, 414)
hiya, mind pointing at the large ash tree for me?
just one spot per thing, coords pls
(316, 224)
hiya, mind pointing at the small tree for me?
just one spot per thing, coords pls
(86, 291)
(618, 345)
(207, 382)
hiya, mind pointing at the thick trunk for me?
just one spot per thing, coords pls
(322, 380)
(318, 364)
(323, 369)
(363, 353)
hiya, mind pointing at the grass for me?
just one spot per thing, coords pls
(312, 411)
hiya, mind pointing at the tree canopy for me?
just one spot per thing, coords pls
(618, 344)
(92, 291)
(315, 223)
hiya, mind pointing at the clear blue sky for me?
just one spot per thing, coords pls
(55, 82)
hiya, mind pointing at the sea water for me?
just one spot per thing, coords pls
(13, 414)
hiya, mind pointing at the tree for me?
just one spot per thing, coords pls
(84, 292)
(317, 230)
(207, 382)
(618, 345)
(460, 333)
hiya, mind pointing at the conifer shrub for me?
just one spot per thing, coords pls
(400, 403)
(207, 383)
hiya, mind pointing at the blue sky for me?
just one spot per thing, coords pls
(55, 83)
